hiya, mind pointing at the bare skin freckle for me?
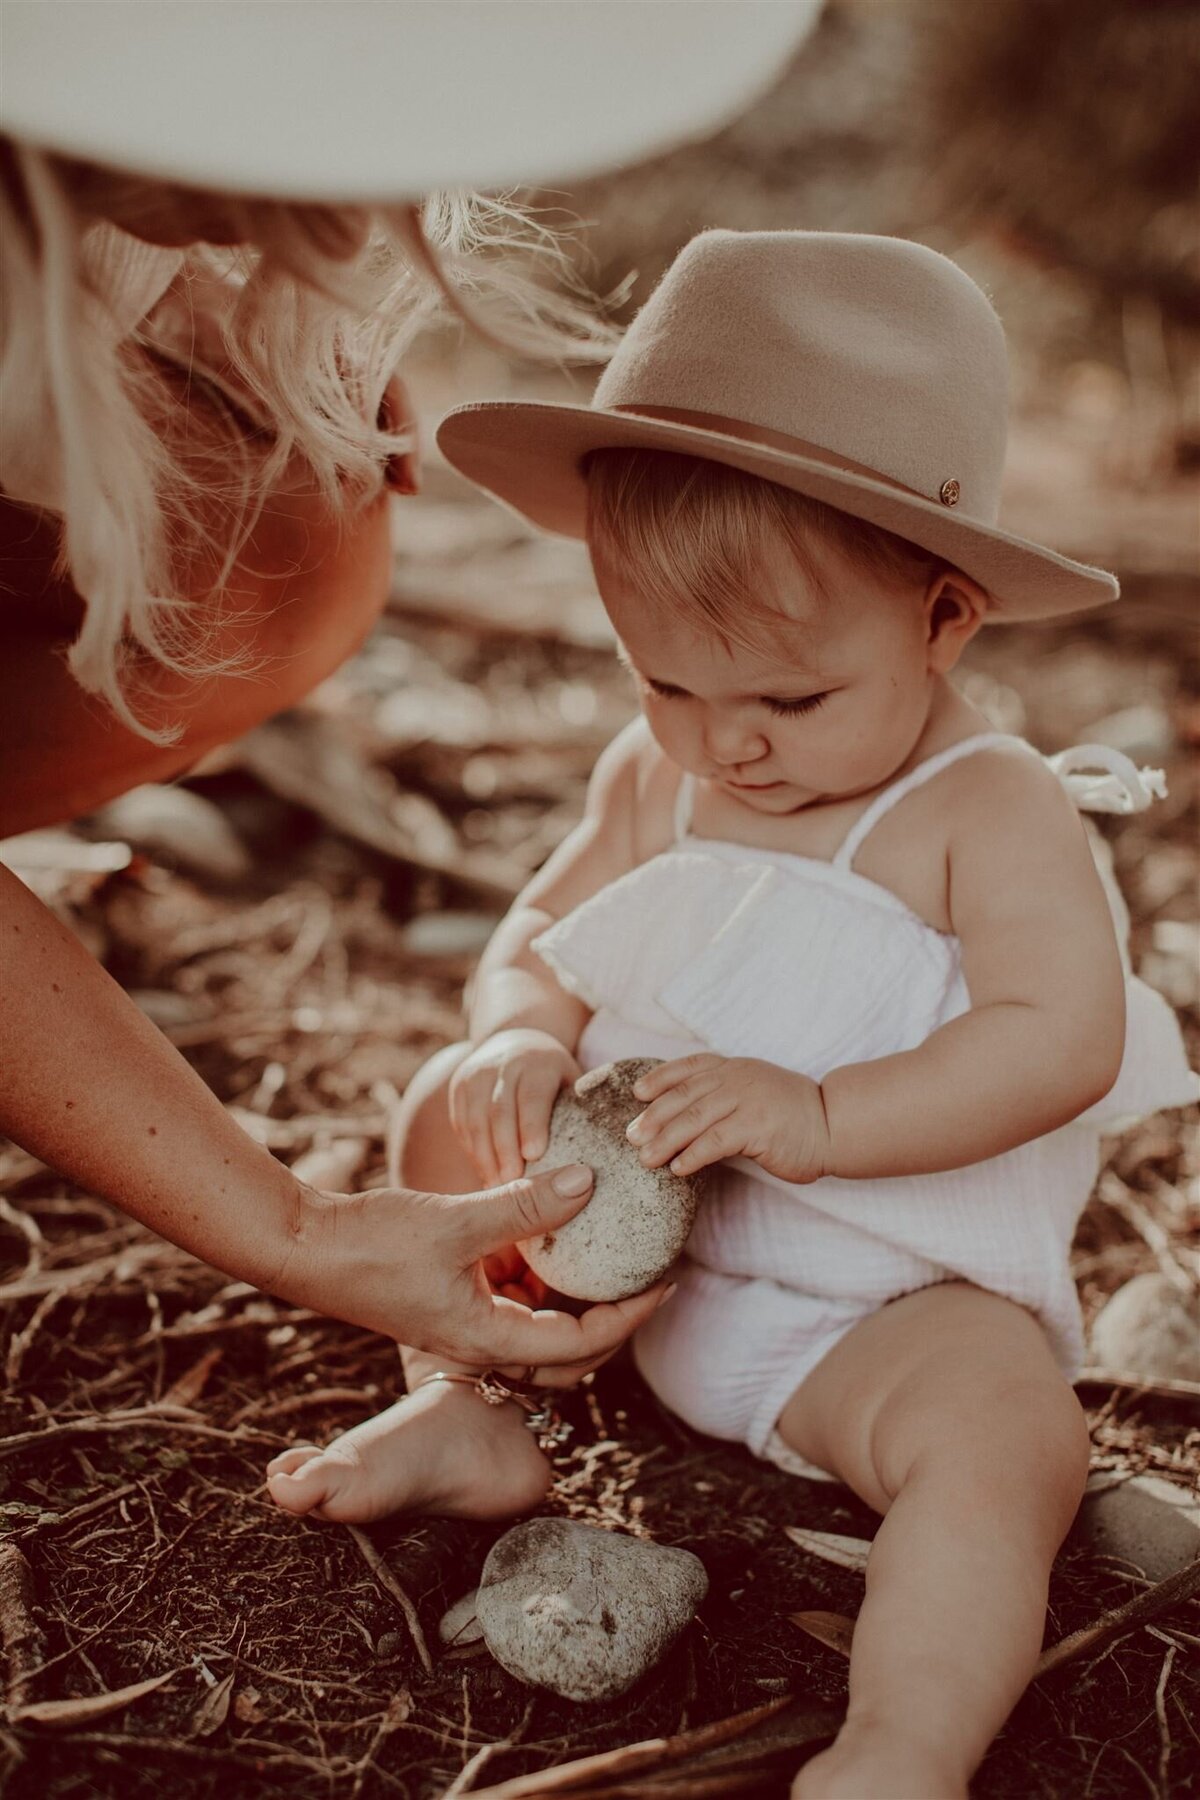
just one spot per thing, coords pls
(70, 1106)
(153, 1131)
(54, 985)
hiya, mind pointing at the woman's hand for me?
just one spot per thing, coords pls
(412, 1265)
(706, 1108)
(501, 1098)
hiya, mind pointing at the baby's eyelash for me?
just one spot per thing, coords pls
(790, 709)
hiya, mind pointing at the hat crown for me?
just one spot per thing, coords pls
(878, 351)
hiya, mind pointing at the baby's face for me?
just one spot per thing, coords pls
(829, 708)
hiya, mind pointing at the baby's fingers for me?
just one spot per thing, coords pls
(687, 1128)
(669, 1074)
(471, 1117)
(684, 1101)
(536, 1094)
(503, 1119)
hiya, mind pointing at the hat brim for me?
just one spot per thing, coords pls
(381, 100)
(529, 455)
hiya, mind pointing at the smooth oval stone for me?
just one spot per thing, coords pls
(583, 1611)
(1149, 1328)
(637, 1220)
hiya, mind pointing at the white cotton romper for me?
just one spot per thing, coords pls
(807, 964)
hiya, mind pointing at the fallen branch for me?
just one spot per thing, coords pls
(147, 1418)
(19, 1632)
(388, 1581)
(1161, 1389)
(630, 1759)
(84, 1709)
(1161, 1598)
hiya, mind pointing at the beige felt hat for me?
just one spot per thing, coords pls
(361, 100)
(868, 372)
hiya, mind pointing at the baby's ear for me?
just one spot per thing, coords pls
(955, 608)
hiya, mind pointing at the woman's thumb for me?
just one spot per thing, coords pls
(521, 1209)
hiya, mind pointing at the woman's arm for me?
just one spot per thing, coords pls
(90, 1086)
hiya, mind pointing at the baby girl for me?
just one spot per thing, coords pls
(863, 930)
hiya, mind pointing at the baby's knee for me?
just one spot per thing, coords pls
(419, 1132)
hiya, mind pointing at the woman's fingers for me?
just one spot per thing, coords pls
(547, 1341)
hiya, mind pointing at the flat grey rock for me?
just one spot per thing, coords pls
(1148, 1522)
(637, 1220)
(1149, 1327)
(581, 1611)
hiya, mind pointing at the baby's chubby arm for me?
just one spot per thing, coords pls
(1042, 1041)
(1045, 1033)
(524, 1026)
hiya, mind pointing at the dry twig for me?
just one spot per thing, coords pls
(19, 1632)
(387, 1580)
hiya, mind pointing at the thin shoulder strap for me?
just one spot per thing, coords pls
(685, 800)
(925, 771)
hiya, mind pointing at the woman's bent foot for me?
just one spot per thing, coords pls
(440, 1450)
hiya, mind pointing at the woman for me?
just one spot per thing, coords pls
(201, 419)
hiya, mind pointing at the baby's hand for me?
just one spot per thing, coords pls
(709, 1107)
(501, 1098)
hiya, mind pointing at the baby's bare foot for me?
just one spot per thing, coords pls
(441, 1450)
(868, 1763)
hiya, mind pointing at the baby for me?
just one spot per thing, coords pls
(864, 932)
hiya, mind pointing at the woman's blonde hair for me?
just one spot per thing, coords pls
(291, 331)
(694, 536)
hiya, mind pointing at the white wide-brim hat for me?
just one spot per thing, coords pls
(379, 100)
(867, 372)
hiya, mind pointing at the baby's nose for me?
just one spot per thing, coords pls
(730, 740)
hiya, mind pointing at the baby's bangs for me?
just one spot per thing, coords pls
(692, 536)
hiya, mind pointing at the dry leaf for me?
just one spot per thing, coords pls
(247, 1707)
(187, 1390)
(88, 1707)
(213, 1710)
(834, 1630)
(846, 1552)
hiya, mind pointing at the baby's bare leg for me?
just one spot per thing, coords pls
(441, 1448)
(946, 1412)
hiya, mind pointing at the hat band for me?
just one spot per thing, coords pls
(765, 438)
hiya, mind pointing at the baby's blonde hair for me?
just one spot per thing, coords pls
(692, 536)
(291, 335)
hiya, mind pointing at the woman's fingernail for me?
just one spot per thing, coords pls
(572, 1181)
(639, 1090)
(672, 1288)
(635, 1132)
